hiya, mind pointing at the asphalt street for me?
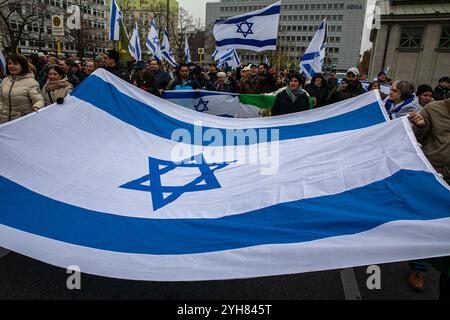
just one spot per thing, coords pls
(25, 278)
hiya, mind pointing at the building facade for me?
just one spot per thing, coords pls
(413, 41)
(299, 20)
(37, 33)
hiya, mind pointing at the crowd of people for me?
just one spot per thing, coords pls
(33, 82)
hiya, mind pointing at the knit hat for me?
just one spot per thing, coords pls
(423, 88)
(353, 70)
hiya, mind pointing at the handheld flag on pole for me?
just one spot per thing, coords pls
(256, 31)
(167, 51)
(229, 59)
(114, 22)
(2, 62)
(312, 60)
(152, 42)
(134, 47)
(187, 52)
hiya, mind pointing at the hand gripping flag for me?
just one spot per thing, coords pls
(152, 42)
(256, 31)
(147, 207)
(187, 52)
(167, 51)
(312, 60)
(134, 47)
(115, 17)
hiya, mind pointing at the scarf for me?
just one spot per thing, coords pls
(58, 84)
(294, 94)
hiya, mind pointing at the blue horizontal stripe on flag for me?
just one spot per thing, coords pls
(139, 115)
(395, 198)
(268, 12)
(309, 56)
(247, 42)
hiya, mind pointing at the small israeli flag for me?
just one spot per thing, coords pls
(187, 52)
(167, 51)
(114, 22)
(134, 47)
(152, 42)
(312, 60)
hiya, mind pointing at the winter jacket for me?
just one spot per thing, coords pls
(435, 136)
(353, 90)
(401, 109)
(120, 71)
(266, 84)
(18, 96)
(162, 79)
(283, 104)
(50, 96)
(441, 93)
(320, 93)
(249, 86)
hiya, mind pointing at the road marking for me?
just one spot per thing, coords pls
(350, 285)
(3, 252)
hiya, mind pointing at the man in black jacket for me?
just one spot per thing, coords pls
(113, 65)
(266, 82)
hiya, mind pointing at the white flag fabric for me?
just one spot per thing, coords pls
(115, 16)
(134, 46)
(229, 59)
(187, 52)
(3, 65)
(256, 31)
(218, 53)
(152, 42)
(167, 51)
(385, 88)
(111, 182)
(312, 61)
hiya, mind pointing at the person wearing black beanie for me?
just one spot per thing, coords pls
(425, 94)
(293, 99)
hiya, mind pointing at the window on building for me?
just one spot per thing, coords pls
(411, 37)
(444, 41)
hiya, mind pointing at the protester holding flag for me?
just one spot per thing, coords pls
(293, 99)
(401, 100)
(348, 88)
(57, 86)
(318, 89)
(19, 93)
(112, 64)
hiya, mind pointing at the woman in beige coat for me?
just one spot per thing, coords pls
(19, 93)
(57, 86)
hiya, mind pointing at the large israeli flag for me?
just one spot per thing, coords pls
(102, 188)
(167, 51)
(229, 59)
(256, 31)
(134, 46)
(312, 61)
(115, 17)
(152, 42)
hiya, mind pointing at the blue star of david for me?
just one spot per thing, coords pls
(155, 40)
(249, 28)
(157, 167)
(202, 106)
